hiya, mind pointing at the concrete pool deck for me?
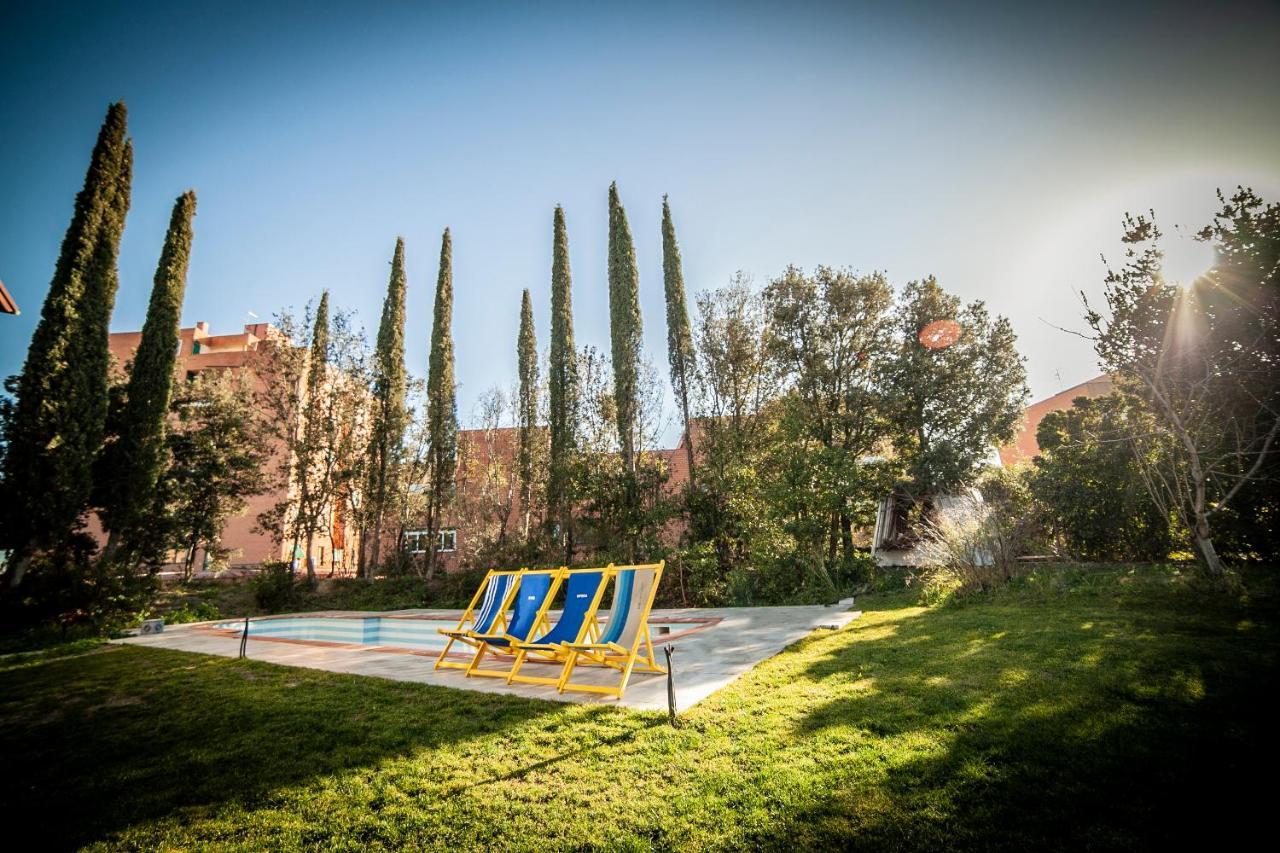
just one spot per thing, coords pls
(726, 643)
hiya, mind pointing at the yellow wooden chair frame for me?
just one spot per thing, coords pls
(613, 655)
(462, 633)
(540, 624)
(558, 652)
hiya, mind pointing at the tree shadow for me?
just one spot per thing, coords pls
(93, 747)
(1132, 726)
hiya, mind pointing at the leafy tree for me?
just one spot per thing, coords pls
(488, 482)
(442, 406)
(735, 388)
(562, 392)
(830, 336)
(527, 406)
(216, 462)
(680, 351)
(951, 404)
(388, 409)
(623, 513)
(624, 327)
(1090, 485)
(310, 452)
(134, 462)
(56, 427)
(314, 396)
(1204, 357)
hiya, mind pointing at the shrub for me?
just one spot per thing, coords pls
(1089, 484)
(971, 546)
(274, 587)
(201, 611)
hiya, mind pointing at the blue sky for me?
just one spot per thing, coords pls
(995, 147)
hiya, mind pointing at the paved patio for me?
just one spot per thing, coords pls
(713, 647)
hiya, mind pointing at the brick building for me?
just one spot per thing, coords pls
(199, 351)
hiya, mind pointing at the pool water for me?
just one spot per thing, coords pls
(368, 631)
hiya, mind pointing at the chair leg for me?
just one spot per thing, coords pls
(626, 676)
(520, 655)
(567, 671)
(447, 646)
(475, 660)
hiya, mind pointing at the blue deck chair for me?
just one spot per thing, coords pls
(625, 641)
(485, 613)
(583, 590)
(533, 594)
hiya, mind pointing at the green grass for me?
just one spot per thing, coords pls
(1103, 709)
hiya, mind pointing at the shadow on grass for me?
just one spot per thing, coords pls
(1120, 724)
(94, 746)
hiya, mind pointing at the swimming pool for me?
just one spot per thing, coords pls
(392, 631)
(397, 632)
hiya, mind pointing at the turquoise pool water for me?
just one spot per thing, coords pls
(369, 631)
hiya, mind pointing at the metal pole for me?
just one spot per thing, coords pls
(671, 686)
(244, 637)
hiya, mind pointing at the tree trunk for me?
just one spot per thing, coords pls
(189, 562)
(846, 536)
(311, 567)
(109, 550)
(18, 568)
(688, 434)
(377, 544)
(1208, 554)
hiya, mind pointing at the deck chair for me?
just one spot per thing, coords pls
(577, 623)
(532, 596)
(625, 640)
(485, 613)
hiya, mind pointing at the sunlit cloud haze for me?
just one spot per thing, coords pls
(996, 148)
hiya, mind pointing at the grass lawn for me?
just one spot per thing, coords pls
(1096, 709)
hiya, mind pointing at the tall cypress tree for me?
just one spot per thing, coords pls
(442, 403)
(527, 365)
(313, 435)
(624, 327)
(562, 389)
(56, 429)
(680, 351)
(136, 459)
(388, 405)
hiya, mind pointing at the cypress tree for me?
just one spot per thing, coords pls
(388, 404)
(680, 351)
(442, 404)
(57, 425)
(624, 327)
(313, 439)
(562, 388)
(136, 459)
(527, 365)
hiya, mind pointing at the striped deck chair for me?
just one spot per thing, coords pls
(583, 590)
(625, 640)
(486, 610)
(533, 594)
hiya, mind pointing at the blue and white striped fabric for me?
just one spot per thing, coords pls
(491, 604)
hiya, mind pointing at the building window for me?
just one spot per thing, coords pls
(416, 541)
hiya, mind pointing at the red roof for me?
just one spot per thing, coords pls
(7, 305)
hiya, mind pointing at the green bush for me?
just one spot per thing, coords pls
(274, 587)
(1090, 488)
(200, 611)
